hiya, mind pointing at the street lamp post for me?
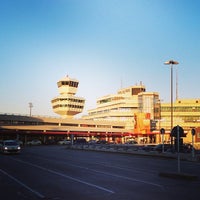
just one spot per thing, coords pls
(30, 107)
(171, 63)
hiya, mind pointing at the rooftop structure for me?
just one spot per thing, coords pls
(67, 104)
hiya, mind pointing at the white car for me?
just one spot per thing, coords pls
(63, 142)
(34, 142)
(9, 146)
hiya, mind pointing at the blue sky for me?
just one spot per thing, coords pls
(105, 44)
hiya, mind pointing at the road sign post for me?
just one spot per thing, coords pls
(193, 134)
(178, 132)
(178, 149)
(162, 132)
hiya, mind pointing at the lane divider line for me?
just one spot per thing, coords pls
(119, 176)
(22, 184)
(66, 176)
(115, 175)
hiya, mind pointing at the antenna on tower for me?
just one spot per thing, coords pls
(121, 83)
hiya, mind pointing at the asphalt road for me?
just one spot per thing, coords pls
(56, 173)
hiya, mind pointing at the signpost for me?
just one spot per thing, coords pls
(178, 132)
(178, 154)
(162, 132)
(193, 134)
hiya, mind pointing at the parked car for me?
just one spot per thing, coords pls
(185, 148)
(64, 142)
(92, 142)
(9, 146)
(80, 141)
(131, 142)
(50, 142)
(159, 147)
(102, 142)
(34, 142)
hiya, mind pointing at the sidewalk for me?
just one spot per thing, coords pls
(136, 150)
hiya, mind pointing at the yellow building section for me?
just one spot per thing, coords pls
(186, 113)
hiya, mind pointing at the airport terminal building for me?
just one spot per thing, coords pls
(67, 105)
(132, 112)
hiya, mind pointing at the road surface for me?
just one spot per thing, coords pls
(57, 173)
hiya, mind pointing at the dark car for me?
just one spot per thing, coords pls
(50, 142)
(187, 148)
(131, 142)
(80, 141)
(102, 142)
(149, 147)
(10, 146)
(159, 147)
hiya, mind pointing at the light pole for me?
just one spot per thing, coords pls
(30, 107)
(171, 63)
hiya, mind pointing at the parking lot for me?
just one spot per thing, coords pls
(55, 172)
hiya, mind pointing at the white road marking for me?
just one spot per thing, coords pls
(118, 176)
(66, 176)
(115, 175)
(22, 184)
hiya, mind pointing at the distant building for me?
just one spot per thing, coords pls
(67, 104)
(132, 105)
(144, 114)
(27, 128)
(130, 113)
(186, 113)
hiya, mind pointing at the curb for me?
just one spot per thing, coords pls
(127, 150)
(182, 176)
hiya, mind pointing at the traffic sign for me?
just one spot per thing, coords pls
(174, 132)
(193, 131)
(162, 131)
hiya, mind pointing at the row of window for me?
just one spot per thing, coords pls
(180, 109)
(87, 125)
(13, 122)
(68, 99)
(105, 101)
(112, 110)
(103, 126)
(68, 106)
(110, 99)
(185, 119)
(70, 83)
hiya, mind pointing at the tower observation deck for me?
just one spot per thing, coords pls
(67, 104)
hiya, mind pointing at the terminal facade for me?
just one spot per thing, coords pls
(132, 113)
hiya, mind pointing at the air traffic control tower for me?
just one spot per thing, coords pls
(67, 104)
